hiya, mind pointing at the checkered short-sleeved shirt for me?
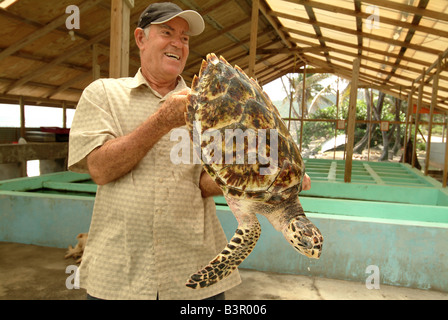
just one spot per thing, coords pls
(151, 228)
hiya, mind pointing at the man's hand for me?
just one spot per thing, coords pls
(172, 112)
(306, 183)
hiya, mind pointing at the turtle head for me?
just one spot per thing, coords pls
(304, 236)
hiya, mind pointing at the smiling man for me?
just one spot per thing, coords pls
(154, 222)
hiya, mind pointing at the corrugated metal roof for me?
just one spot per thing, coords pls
(394, 39)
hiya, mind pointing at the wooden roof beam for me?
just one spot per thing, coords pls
(86, 5)
(432, 66)
(66, 85)
(407, 8)
(357, 4)
(58, 60)
(316, 27)
(14, 99)
(365, 80)
(291, 51)
(98, 38)
(265, 10)
(367, 58)
(277, 67)
(364, 15)
(380, 81)
(355, 33)
(271, 78)
(237, 59)
(224, 50)
(273, 21)
(415, 21)
(351, 45)
(221, 32)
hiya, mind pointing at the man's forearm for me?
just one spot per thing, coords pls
(119, 156)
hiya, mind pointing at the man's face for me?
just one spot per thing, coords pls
(164, 53)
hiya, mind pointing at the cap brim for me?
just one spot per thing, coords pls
(194, 19)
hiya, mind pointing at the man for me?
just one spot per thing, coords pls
(154, 223)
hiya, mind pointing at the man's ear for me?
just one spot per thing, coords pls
(140, 37)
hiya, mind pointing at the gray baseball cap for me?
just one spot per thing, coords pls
(161, 12)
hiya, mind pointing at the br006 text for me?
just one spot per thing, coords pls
(244, 309)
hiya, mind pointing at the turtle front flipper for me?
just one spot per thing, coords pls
(238, 248)
(289, 218)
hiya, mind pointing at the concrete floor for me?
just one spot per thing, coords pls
(29, 272)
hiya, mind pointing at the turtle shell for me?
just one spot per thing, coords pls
(239, 135)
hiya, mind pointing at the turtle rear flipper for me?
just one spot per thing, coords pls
(238, 248)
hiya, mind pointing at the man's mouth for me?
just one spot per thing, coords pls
(172, 56)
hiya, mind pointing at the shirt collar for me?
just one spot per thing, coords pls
(140, 80)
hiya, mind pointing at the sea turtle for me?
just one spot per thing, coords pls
(224, 100)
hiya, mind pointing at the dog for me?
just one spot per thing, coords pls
(78, 250)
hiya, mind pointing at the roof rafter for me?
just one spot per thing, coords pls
(356, 33)
(363, 15)
(327, 35)
(415, 21)
(408, 8)
(86, 5)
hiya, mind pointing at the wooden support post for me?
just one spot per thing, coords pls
(351, 121)
(303, 106)
(23, 164)
(291, 104)
(337, 118)
(119, 38)
(22, 117)
(96, 70)
(253, 37)
(408, 122)
(64, 114)
(370, 124)
(417, 115)
(435, 89)
(444, 127)
(445, 166)
(291, 93)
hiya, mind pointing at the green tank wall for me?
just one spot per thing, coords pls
(407, 253)
(402, 229)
